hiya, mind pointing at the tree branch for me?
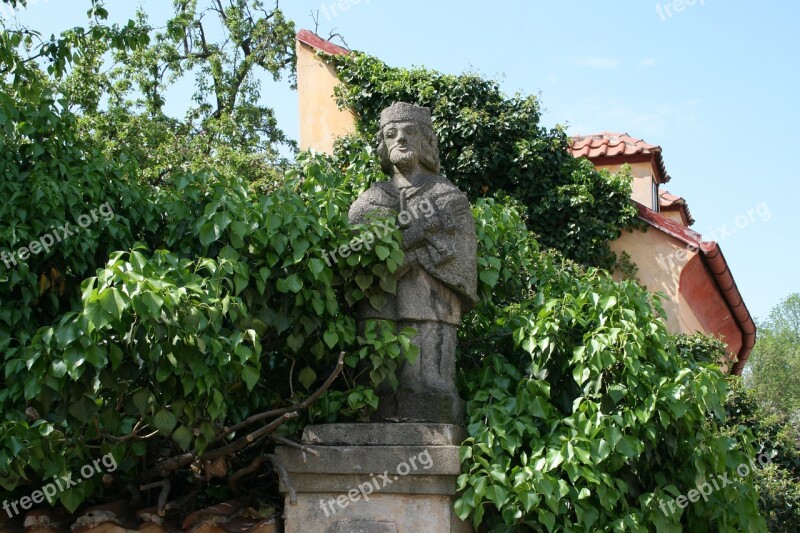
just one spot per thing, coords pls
(297, 407)
(165, 467)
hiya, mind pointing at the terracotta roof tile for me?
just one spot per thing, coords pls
(117, 517)
(669, 202)
(609, 145)
(315, 41)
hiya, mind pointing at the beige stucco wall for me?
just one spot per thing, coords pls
(643, 179)
(674, 215)
(321, 121)
(660, 259)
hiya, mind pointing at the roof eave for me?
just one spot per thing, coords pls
(713, 258)
(315, 41)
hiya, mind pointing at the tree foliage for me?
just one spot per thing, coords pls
(197, 305)
(776, 435)
(226, 47)
(768, 401)
(773, 368)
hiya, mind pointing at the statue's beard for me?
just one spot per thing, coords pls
(404, 160)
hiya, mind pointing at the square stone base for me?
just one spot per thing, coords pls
(383, 513)
(374, 478)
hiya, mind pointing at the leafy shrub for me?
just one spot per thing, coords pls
(582, 414)
(224, 308)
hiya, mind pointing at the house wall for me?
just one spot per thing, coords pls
(321, 120)
(674, 215)
(661, 259)
(643, 180)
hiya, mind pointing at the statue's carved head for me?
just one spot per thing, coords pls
(399, 114)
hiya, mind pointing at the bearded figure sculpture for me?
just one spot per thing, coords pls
(437, 283)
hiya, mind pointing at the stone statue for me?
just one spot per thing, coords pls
(437, 283)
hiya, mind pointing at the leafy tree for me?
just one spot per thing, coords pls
(226, 126)
(153, 330)
(778, 484)
(773, 368)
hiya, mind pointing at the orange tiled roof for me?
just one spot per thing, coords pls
(609, 148)
(669, 202)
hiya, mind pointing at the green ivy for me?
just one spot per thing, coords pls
(583, 415)
(227, 310)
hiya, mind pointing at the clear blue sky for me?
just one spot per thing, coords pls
(715, 84)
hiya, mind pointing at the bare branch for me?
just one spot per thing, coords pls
(162, 469)
(315, 18)
(280, 468)
(250, 438)
(162, 497)
(221, 10)
(297, 407)
(297, 445)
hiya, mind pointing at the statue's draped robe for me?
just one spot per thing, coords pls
(438, 282)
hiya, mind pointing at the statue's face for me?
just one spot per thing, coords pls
(403, 142)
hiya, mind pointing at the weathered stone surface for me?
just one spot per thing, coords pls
(440, 485)
(410, 486)
(150, 527)
(105, 527)
(437, 283)
(397, 460)
(385, 434)
(363, 526)
(410, 406)
(400, 477)
(410, 514)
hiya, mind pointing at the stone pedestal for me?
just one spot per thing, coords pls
(406, 406)
(374, 478)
